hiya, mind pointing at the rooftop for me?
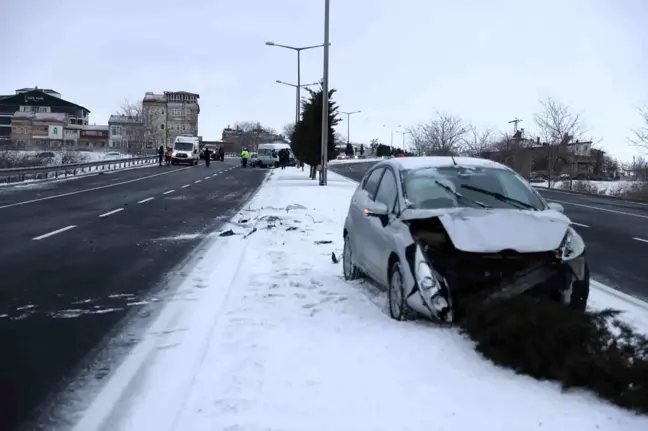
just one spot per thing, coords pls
(123, 119)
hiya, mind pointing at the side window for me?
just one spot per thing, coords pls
(388, 191)
(371, 182)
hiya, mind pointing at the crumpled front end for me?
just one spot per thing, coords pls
(448, 279)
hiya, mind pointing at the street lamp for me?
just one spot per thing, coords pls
(298, 87)
(403, 133)
(348, 114)
(391, 142)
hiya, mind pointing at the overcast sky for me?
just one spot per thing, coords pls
(397, 61)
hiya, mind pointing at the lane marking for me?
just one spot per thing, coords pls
(76, 192)
(592, 197)
(145, 200)
(170, 191)
(598, 208)
(197, 181)
(185, 186)
(38, 238)
(111, 212)
(640, 239)
(207, 178)
(579, 224)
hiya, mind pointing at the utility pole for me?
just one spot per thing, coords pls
(325, 96)
(515, 123)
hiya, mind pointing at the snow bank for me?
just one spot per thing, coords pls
(264, 334)
(610, 188)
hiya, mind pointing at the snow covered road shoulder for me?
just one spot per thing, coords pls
(270, 337)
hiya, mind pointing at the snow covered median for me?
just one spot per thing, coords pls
(270, 337)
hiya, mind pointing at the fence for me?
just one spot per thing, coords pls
(16, 175)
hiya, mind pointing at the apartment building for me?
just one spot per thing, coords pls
(168, 115)
(41, 101)
(127, 132)
(47, 130)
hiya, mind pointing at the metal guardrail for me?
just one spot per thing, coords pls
(17, 175)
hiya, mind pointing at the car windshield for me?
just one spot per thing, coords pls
(468, 186)
(183, 146)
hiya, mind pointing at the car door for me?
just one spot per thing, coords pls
(381, 237)
(361, 223)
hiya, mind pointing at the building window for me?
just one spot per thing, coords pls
(44, 109)
(116, 131)
(161, 126)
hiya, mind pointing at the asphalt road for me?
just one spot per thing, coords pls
(78, 256)
(615, 231)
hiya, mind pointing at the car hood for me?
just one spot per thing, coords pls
(493, 230)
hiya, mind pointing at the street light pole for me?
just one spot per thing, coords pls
(348, 114)
(325, 91)
(298, 87)
(402, 133)
(391, 142)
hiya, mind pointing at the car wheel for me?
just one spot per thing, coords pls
(351, 272)
(398, 308)
(580, 292)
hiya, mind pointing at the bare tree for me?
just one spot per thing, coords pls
(250, 133)
(443, 135)
(418, 139)
(639, 168)
(476, 142)
(640, 135)
(288, 129)
(558, 126)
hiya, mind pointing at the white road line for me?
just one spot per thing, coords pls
(145, 200)
(185, 186)
(111, 212)
(600, 209)
(579, 224)
(170, 191)
(197, 181)
(214, 175)
(38, 238)
(76, 192)
(207, 178)
(640, 239)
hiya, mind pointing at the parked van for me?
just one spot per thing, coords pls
(186, 149)
(264, 153)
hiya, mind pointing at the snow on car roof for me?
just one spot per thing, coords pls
(437, 161)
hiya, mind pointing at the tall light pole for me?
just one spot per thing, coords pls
(349, 114)
(391, 141)
(325, 91)
(403, 133)
(298, 87)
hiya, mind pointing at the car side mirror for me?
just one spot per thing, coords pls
(556, 207)
(378, 210)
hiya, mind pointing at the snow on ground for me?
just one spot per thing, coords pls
(610, 188)
(264, 334)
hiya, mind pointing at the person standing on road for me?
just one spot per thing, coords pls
(283, 158)
(221, 154)
(161, 154)
(207, 156)
(245, 155)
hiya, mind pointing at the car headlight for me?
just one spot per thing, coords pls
(423, 273)
(572, 246)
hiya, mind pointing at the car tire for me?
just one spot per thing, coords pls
(397, 303)
(580, 292)
(351, 272)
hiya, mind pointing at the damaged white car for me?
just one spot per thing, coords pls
(433, 230)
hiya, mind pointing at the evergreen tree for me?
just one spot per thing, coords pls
(306, 139)
(362, 149)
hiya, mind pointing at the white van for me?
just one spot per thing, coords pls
(265, 153)
(186, 150)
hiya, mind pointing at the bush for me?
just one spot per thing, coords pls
(72, 157)
(17, 159)
(549, 341)
(580, 186)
